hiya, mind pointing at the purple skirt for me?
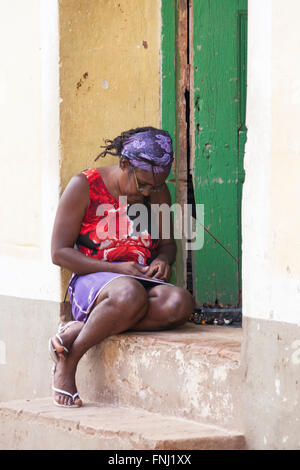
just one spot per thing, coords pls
(85, 288)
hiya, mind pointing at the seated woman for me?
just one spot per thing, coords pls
(119, 283)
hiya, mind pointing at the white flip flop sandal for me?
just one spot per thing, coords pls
(64, 392)
(52, 351)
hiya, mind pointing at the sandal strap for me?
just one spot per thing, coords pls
(61, 342)
(66, 393)
(62, 327)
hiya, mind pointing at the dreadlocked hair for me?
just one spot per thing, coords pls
(115, 146)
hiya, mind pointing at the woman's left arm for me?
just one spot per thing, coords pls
(160, 268)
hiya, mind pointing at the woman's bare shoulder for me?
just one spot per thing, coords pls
(77, 190)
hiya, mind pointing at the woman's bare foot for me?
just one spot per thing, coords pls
(64, 380)
(68, 336)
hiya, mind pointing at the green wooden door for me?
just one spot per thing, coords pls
(219, 68)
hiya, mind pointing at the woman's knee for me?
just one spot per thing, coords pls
(176, 307)
(127, 296)
(180, 306)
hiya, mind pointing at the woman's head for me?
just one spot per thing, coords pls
(146, 148)
(145, 153)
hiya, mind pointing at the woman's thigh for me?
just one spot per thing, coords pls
(126, 292)
(163, 306)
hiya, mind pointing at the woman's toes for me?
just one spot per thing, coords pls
(78, 402)
(58, 347)
(57, 398)
(67, 401)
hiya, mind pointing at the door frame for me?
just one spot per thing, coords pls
(175, 88)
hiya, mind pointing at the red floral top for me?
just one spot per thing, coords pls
(107, 232)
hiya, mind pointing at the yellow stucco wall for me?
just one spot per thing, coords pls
(109, 77)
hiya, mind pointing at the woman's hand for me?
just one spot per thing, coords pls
(131, 268)
(159, 269)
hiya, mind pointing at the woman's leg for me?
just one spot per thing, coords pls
(168, 307)
(119, 306)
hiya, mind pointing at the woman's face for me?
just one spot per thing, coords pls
(135, 183)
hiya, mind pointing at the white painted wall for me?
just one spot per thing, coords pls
(29, 151)
(271, 222)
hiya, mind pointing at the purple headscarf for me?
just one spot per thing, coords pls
(150, 151)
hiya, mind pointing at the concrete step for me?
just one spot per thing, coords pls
(191, 372)
(39, 425)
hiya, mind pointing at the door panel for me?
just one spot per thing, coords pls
(219, 66)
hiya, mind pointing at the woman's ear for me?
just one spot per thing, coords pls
(125, 165)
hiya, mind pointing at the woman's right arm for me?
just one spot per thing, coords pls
(67, 224)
